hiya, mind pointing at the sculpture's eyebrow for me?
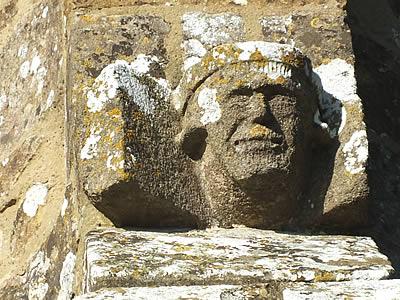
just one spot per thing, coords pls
(268, 91)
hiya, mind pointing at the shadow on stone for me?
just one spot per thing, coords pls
(375, 32)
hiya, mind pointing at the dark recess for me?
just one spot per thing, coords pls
(375, 29)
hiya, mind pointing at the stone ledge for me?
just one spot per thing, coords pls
(118, 258)
(367, 290)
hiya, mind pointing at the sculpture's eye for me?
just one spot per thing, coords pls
(243, 91)
(272, 91)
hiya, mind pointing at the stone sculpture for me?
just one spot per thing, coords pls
(251, 124)
(248, 125)
(245, 145)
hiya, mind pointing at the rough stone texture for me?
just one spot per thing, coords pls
(368, 290)
(38, 253)
(35, 263)
(123, 135)
(122, 131)
(117, 258)
(306, 29)
(29, 60)
(225, 292)
(202, 31)
(239, 93)
(333, 64)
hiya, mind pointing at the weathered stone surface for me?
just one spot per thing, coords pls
(32, 172)
(368, 290)
(123, 136)
(169, 293)
(117, 258)
(340, 106)
(306, 29)
(30, 85)
(228, 98)
(124, 115)
(40, 235)
(203, 31)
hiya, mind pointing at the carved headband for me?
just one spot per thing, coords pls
(277, 60)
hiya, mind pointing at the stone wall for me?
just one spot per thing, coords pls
(54, 55)
(33, 238)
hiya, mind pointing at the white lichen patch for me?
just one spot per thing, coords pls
(45, 12)
(34, 197)
(194, 51)
(35, 64)
(105, 87)
(207, 100)
(40, 78)
(22, 51)
(115, 161)
(67, 277)
(193, 47)
(119, 76)
(213, 29)
(271, 51)
(277, 24)
(90, 149)
(338, 79)
(50, 100)
(64, 206)
(24, 69)
(5, 161)
(240, 2)
(356, 152)
(37, 285)
(190, 62)
(3, 102)
(141, 65)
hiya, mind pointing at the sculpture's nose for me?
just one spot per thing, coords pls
(260, 111)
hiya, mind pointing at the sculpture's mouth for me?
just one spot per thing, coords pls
(258, 138)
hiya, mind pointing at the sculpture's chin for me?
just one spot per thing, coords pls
(258, 171)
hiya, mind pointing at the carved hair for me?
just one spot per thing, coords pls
(275, 60)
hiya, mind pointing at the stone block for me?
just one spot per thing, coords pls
(168, 293)
(122, 128)
(305, 30)
(31, 75)
(366, 290)
(213, 29)
(202, 31)
(117, 258)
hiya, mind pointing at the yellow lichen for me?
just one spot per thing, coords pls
(259, 131)
(182, 248)
(115, 112)
(325, 276)
(315, 23)
(293, 59)
(256, 55)
(280, 80)
(88, 19)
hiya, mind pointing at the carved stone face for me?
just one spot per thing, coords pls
(257, 123)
